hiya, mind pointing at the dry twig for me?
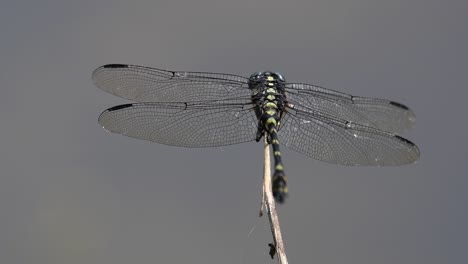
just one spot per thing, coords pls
(268, 201)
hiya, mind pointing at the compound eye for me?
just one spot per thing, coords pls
(255, 76)
(280, 77)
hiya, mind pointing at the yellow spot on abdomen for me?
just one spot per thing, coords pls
(271, 121)
(271, 105)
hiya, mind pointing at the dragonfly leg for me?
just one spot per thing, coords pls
(260, 132)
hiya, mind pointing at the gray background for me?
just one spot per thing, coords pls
(72, 193)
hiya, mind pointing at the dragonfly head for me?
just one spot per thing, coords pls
(266, 76)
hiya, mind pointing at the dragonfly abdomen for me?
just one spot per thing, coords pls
(280, 189)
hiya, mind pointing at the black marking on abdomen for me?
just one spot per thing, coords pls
(280, 189)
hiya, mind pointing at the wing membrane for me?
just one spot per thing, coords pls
(182, 124)
(382, 114)
(145, 84)
(342, 142)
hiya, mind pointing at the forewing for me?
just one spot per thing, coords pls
(379, 113)
(341, 142)
(182, 124)
(145, 84)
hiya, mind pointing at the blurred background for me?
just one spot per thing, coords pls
(72, 193)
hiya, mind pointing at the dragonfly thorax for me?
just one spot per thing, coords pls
(268, 94)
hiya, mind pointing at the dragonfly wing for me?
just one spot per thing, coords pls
(145, 84)
(182, 124)
(383, 114)
(334, 140)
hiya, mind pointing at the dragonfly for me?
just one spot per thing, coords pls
(207, 109)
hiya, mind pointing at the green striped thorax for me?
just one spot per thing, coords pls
(267, 90)
(268, 94)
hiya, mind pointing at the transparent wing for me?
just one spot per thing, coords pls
(145, 84)
(382, 114)
(341, 142)
(182, 124)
